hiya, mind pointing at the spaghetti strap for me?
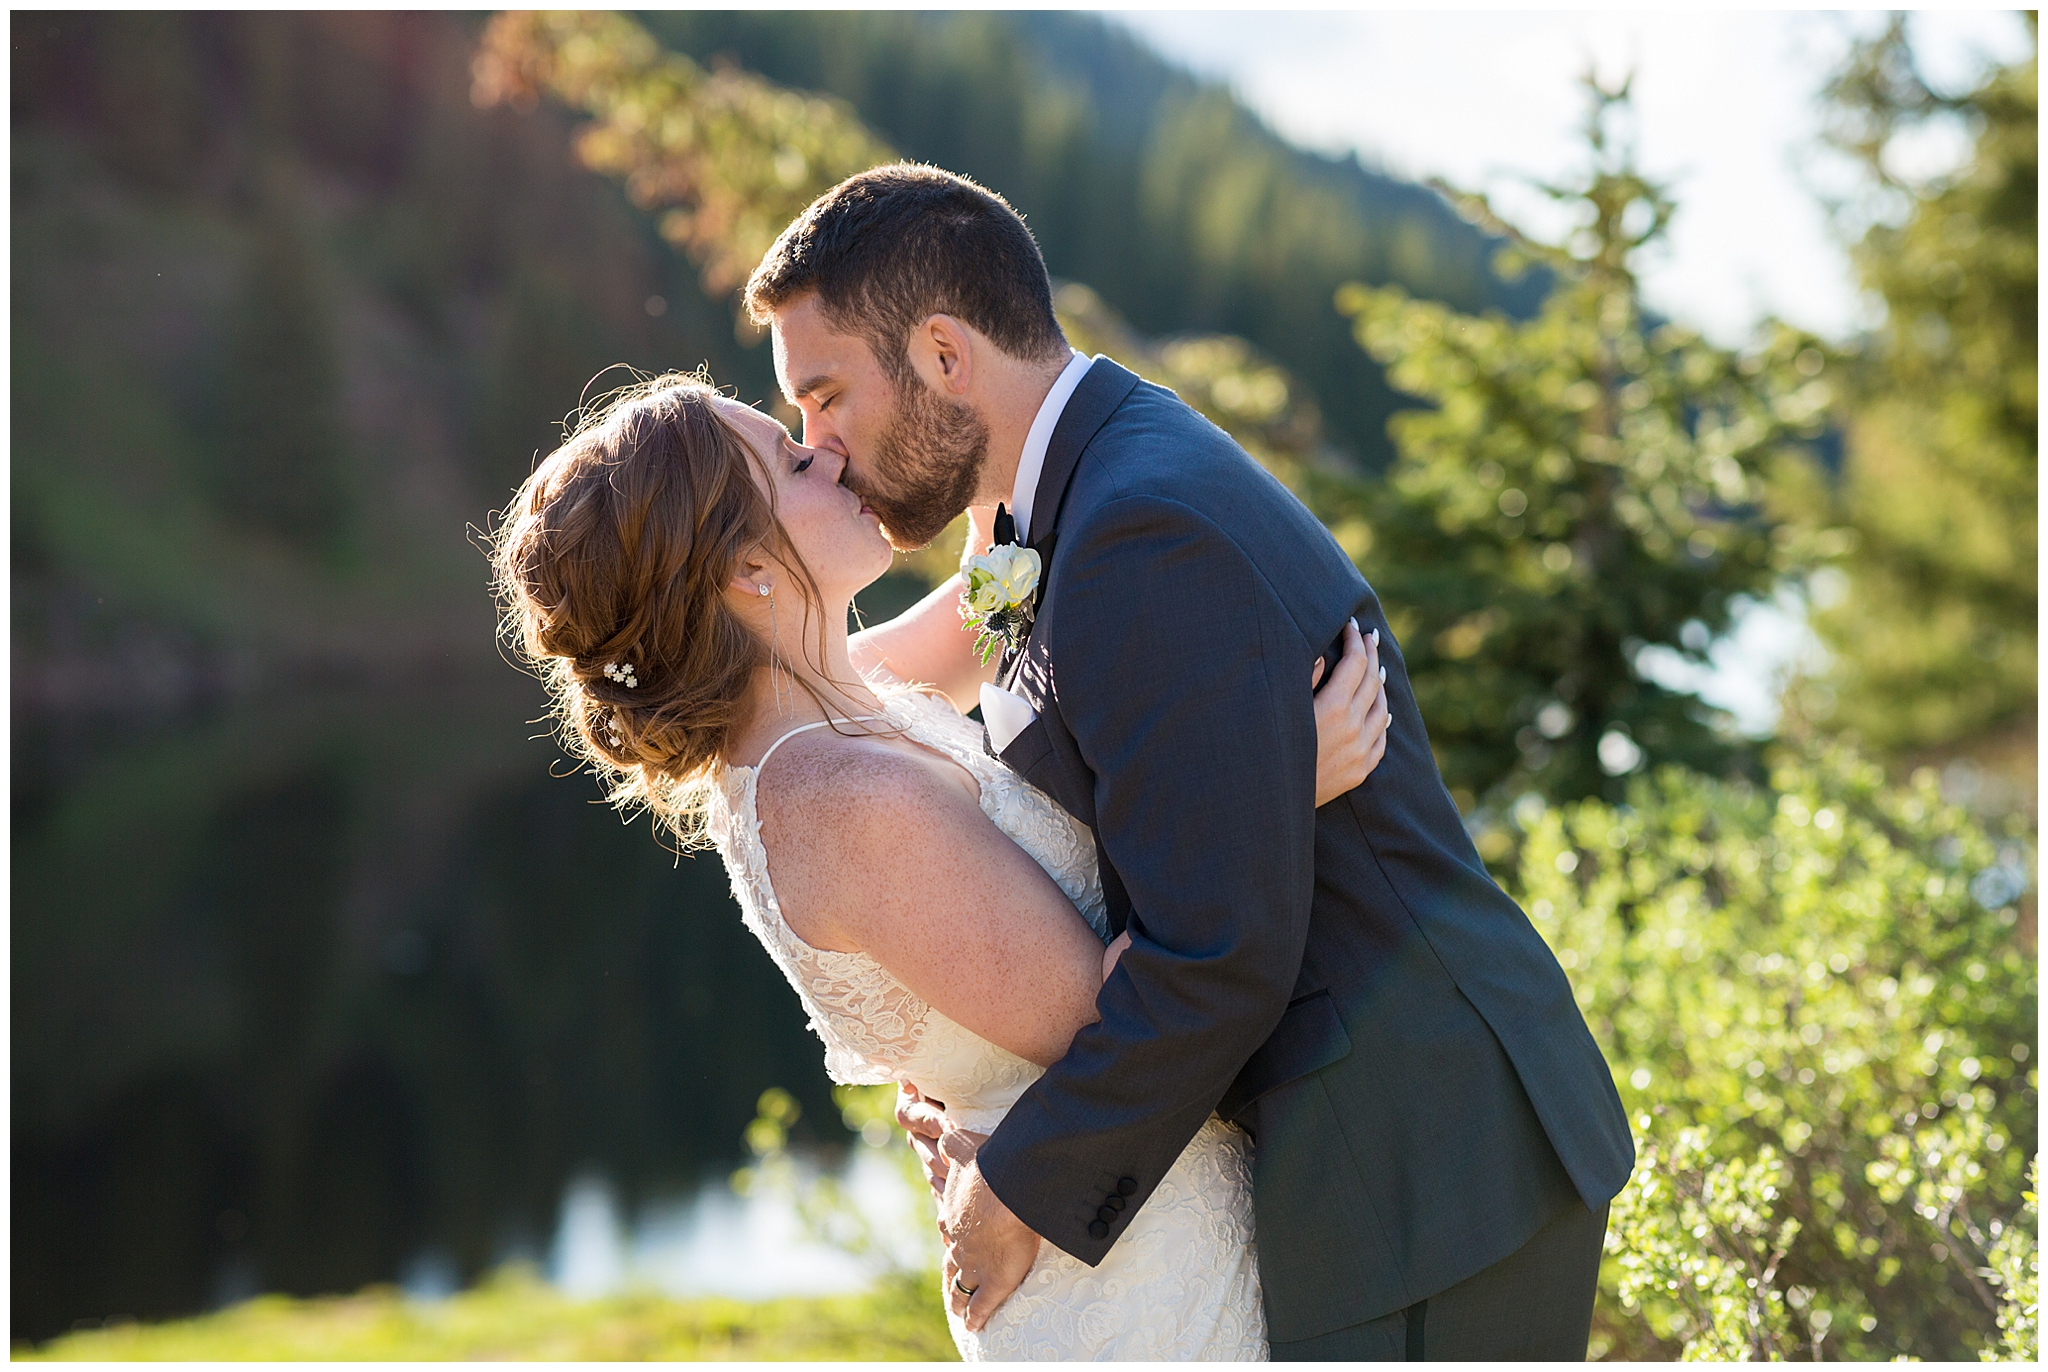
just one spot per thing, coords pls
(804, 728)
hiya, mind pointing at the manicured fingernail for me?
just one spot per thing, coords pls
(1375, 637)
(1383, 674)
(1354, 621)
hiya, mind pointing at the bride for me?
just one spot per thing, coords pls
(679, 572)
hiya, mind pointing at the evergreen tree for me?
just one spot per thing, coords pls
(148, 96)
(1587, 484)
(726, 157)
(1935, 640)
(281, 452)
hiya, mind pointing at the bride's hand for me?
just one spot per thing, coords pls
(1114, 951)
(1351, 717)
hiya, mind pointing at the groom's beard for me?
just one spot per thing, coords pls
(930, 458)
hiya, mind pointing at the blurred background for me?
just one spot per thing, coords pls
(1686, 428)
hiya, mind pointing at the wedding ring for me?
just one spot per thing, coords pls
(967, 1291)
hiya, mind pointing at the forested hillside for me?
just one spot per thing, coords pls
(237, 234)
(240, 237)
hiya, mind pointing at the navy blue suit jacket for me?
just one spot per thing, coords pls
(1348, 983)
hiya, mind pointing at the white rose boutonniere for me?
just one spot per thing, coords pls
(997, 600)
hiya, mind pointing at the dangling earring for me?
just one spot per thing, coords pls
(775, 664)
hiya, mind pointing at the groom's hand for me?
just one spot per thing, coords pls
(925, 1122)
(989, 1251)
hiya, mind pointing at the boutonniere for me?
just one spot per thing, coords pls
(997, 602)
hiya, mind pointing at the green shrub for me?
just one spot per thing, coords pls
(1698, 1233)
(2016, 1270)
(1822, 1022)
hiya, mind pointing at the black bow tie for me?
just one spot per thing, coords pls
(1006, 527)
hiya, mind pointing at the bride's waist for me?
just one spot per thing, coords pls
(977, 1119)
(977, 1080)
(980, 1109)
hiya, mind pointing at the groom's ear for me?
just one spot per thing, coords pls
(942, 352)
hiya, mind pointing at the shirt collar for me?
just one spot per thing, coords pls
(1039, 439)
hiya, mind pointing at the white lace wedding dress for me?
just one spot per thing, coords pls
(1182, 1284)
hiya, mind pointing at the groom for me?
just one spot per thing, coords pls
(1437, 1136)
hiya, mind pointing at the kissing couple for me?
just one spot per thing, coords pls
(1216, 1038)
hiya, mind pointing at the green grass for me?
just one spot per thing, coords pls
(515, 1316)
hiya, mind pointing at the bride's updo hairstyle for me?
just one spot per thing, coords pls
(616, 552)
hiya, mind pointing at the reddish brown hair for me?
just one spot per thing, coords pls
(616, 551)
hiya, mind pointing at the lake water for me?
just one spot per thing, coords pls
(348, 988)
(750, 1247)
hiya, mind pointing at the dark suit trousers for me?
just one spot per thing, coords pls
(1536, 1304)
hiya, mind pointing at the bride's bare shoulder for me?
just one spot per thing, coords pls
(854, 827)
(838, 790)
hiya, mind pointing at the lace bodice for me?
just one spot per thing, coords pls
(874, 1028)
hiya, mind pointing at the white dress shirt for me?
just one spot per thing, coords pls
(1038, 439)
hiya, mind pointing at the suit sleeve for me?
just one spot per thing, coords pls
(1185, 685)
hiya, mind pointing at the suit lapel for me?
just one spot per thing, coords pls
(1102, 389)
(1088, 409)
(1006, 670)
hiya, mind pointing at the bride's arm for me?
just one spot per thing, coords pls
(878, 853)
(928, 642)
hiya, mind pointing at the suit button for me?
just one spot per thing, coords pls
(1106, 1214)
(1098, 1230)
(1127, 1187)
(1116, 1202)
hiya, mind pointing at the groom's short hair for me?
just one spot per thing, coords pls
(889, 248)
